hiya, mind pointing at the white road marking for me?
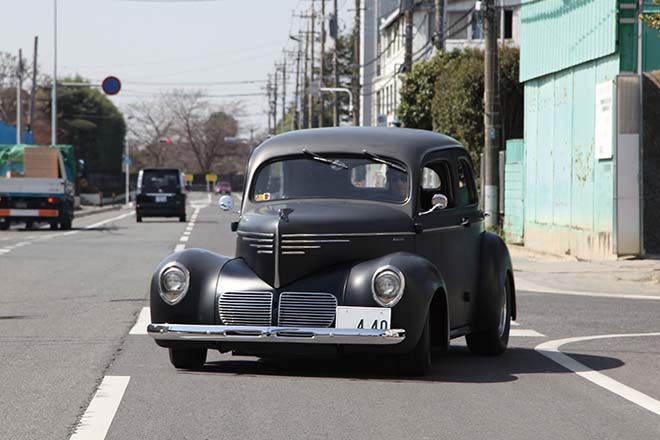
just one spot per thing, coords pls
(179, 247)
(98, 417)
(143, 320)
(524, 333)
(191, 224)
(184, 238)
(187, 232)
(515, 323)
(550, 350)
(531, 287)
(39, 238)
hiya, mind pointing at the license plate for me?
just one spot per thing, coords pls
(161, 199)
(20, 205)
(364, 317)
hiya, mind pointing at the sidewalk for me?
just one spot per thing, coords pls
(535, 271)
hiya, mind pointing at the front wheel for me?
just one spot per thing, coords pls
(494, 340)
(187, 359)
(418, 361)
(182, 218)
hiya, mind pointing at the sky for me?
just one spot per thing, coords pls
(158, 45)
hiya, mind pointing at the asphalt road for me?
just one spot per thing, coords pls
(69, 302)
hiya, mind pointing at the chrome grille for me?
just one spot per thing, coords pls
(246, 308)
(301, 309)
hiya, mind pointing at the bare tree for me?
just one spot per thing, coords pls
(149, 124)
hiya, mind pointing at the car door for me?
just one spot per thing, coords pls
(437, 241)
(472, 223)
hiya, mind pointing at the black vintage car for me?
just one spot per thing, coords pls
(161, 192)
(349, 240)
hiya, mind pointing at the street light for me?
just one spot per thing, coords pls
(53, 109)
(341, 90)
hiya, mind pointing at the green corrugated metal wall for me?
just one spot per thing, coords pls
(566, 186)
(514, 191)
(558, 34)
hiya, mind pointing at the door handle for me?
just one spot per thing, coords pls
(465, 222)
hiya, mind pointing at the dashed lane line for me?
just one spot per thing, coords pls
(525, 333)
(550, 350)
(101, 411)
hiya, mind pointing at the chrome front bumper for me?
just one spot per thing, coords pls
(224, 333)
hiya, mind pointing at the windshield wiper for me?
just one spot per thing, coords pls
(334, 162)
(385, 161)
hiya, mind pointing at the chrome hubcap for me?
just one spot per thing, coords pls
(503, 314)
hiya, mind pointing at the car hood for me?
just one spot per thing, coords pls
(283, 242)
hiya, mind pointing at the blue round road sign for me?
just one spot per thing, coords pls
(111, 85)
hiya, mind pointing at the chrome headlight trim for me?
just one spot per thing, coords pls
(399, 294)
(186, 285)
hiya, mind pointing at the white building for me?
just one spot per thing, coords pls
(383, 49)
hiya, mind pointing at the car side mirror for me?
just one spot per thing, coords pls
(438, 202)
(226, 203)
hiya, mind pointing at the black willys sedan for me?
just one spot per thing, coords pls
(349, 240)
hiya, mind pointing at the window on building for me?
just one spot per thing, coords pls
(457, 25)
(507, 25)
(477, 26)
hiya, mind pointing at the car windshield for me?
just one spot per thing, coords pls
(154, 180)
(301, 178)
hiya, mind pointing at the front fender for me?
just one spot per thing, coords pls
(198, 304)
(422, 282)
(495, 268)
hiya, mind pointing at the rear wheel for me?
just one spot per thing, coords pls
(29, 225)
(65, 223)
(138, 218)
(418, 361)
(4, 225)
(494, 340)
(187, 359)
(53, 226)
(182, 218)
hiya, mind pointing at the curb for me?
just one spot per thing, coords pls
(96, 211)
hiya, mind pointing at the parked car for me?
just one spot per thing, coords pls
(349, 240)
(161, 192)
(222, 188)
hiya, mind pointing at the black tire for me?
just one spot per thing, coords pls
(29, 225)
(182, 218)
(53, 226)
(417, 362)
(494, 340)
(187, 359)
(138, 218)
(66, 223)
(4, 225)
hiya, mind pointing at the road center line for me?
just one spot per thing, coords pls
(550, 350)
(102, 409)
(524, 333)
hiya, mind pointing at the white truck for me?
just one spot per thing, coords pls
(42, 193)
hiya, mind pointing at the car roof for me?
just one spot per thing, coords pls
(406, 144)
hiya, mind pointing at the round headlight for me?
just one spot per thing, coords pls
(174, 279)
(387, 286)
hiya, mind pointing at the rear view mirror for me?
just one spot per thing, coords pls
(226, 203)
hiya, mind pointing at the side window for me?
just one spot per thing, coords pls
(435, 179)
(467, 191)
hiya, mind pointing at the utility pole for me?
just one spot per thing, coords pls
(283, 93)
(408, 46)
(53, 108)
(295, 122)
(19, 96)
(322, 66)
(304, 100)
(275, 103)
(335, 67)
(491, 118)
(270, 105)
(310, 96)
(356, 64)
(440, 20)
(33, 93)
